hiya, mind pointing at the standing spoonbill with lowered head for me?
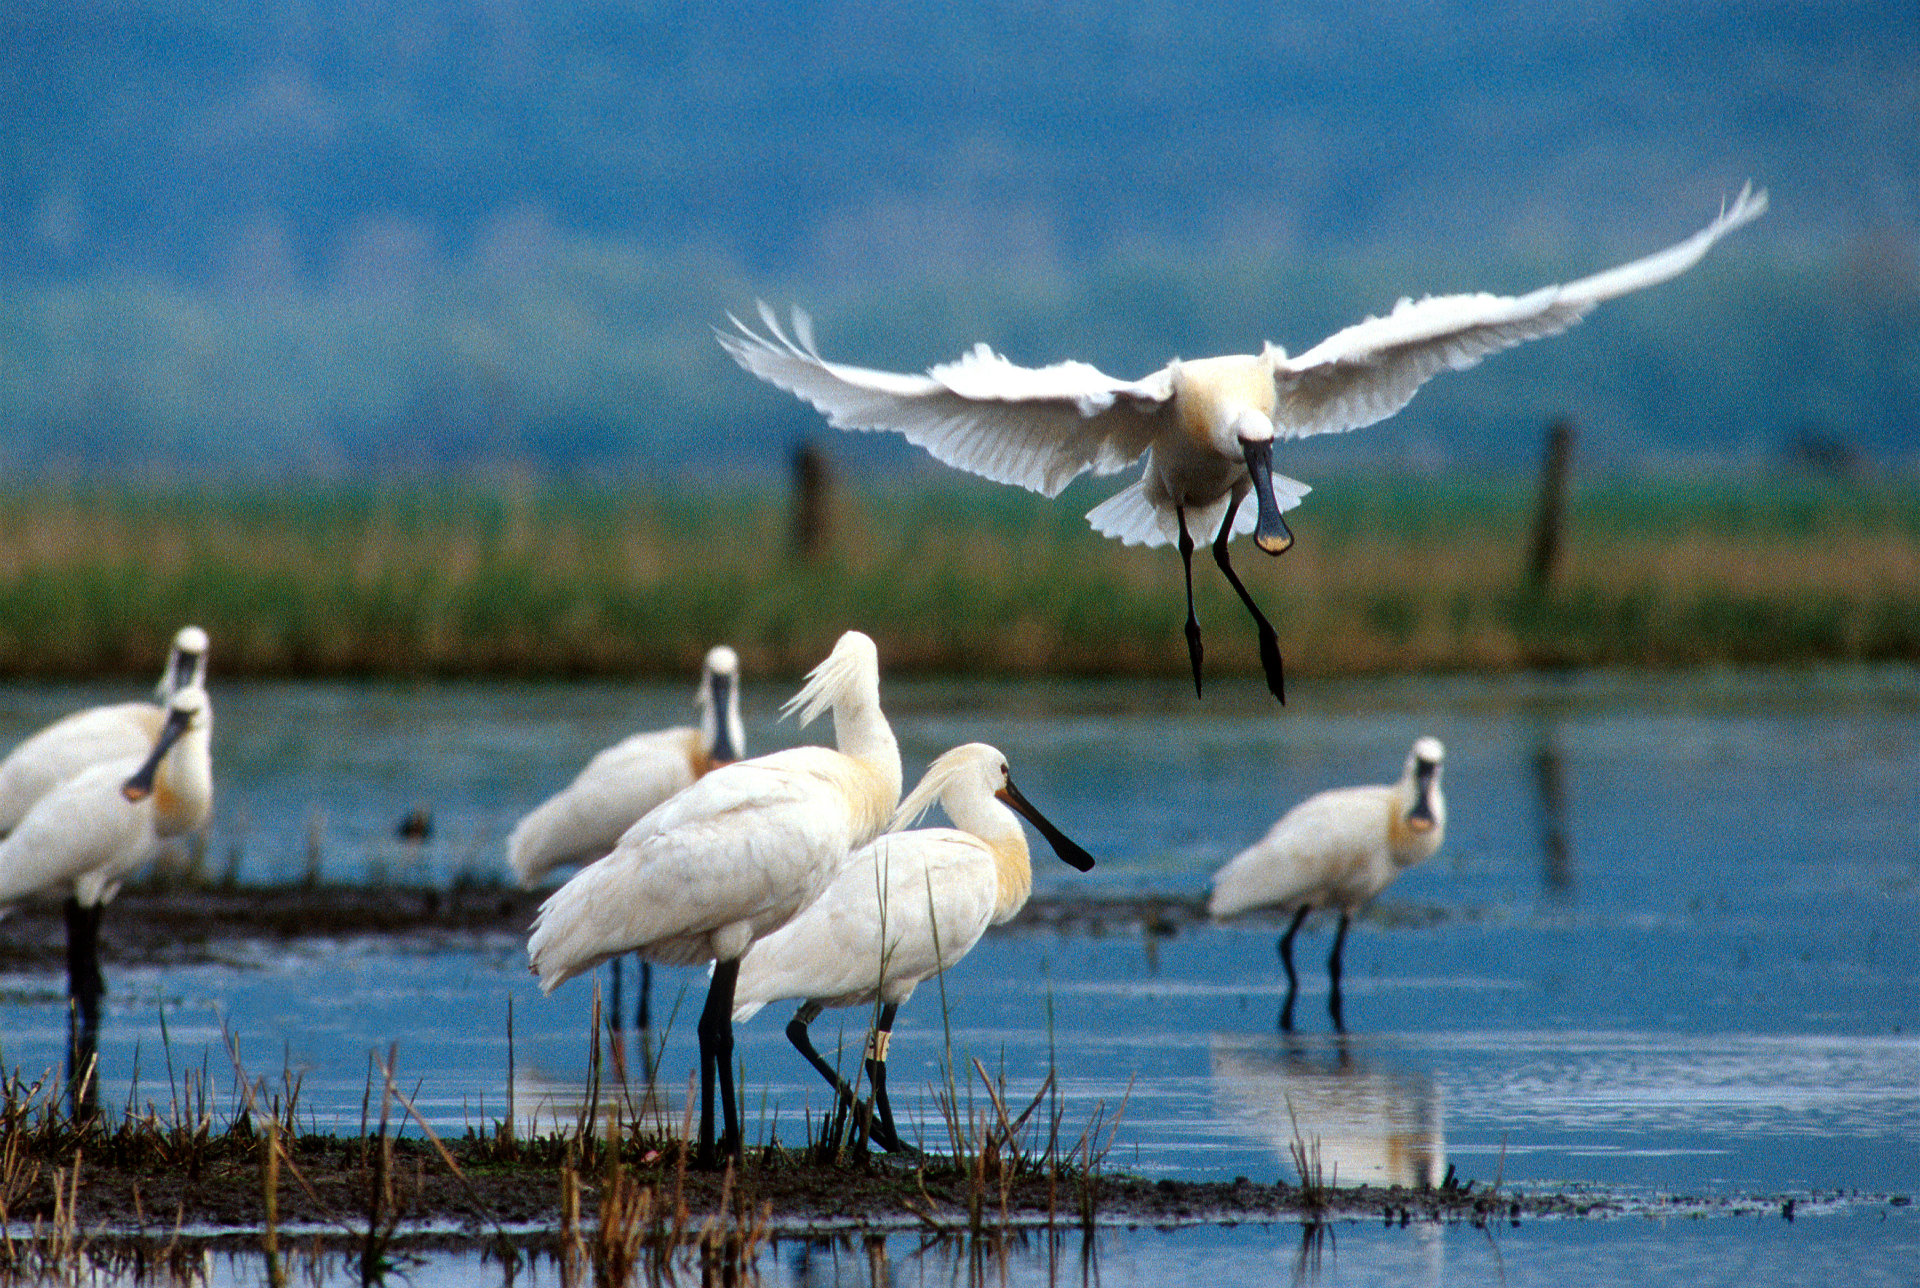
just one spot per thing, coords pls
(1337, 849)
(731, 858)
(97, 828)
(904, 908)
(1206, 427)
(584, 820)
(97, 734)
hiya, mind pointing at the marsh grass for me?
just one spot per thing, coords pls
(1389, 574)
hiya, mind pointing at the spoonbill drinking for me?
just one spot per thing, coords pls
(1205, 427)
(97, 734)
(731, 859)
(586, 819)
(1337, 849)
(98, 827)
(904, 908)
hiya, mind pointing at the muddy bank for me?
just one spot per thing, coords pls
(165, 926)
(329, 1184)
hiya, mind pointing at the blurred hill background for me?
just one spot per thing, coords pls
(332, 239)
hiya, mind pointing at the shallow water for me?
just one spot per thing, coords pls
(1670, 945)
(1855, 1245)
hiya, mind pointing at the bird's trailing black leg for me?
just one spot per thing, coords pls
(1293, 980)
(716, 1064)
(643, 1010)
(1193, 623)
(1269, 642)
(882, 1132)
(1333, 975)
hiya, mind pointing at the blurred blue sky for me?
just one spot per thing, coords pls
(343, 138)
(686, 157)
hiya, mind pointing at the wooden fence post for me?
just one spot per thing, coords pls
(812, 501)
(1549, 524)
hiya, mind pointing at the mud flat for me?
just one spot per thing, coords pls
(161, 926)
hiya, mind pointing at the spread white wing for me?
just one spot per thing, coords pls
(1369, 371)
(1035, 428)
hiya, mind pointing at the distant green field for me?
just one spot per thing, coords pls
(1388, 575)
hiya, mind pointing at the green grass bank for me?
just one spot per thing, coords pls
(1389, 574)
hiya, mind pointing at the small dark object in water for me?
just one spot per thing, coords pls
(416, 826)
(1786, 1209)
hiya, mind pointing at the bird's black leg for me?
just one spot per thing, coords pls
(84, 988)
(1333, 974)
(643, 1011)
(1293, 980)
(1193, 623)
(614, 1004)
(1269, 642)
(716, 1063)
(885, 1134)
(84, 983)
(881, 1132)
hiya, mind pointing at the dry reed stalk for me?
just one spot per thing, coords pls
(270, 1184)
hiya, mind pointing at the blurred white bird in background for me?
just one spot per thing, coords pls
(1337, 849)
(1206, 427)
(100, 826)
(97, 734)
(584, 820)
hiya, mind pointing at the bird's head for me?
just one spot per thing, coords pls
(718, 698)
(1423, 769)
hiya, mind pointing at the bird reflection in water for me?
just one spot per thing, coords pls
(1365, 1121)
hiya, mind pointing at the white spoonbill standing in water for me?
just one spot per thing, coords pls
(1206, 427)
(1337, 849)
(584, 820)
(94, 830)
(730, 859)
(904, 908)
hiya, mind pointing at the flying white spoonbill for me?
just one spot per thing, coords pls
(97, 734)
(586, 819)
(1337, 849)
(97, 828)
(731, 858)
(904, 908)
(1206, 427)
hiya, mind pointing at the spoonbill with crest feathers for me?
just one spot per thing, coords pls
(1337, 849)
(96, 735)
(904, 908)
(731, 859)
(584, 820)
(1206, 427)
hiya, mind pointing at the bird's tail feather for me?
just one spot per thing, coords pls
(1133, 520)
(1128, 517)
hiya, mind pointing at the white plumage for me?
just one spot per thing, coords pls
(1337, 849)
(96, 735)
(735, 855)
(1206, 427)
(584, 820)
(907, 905)
(902, 909)
(91, 832)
